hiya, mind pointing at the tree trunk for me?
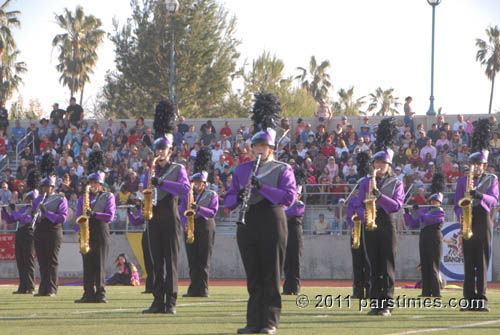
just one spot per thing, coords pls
(491, 94)
(81, 94)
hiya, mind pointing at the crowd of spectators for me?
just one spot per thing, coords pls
(327, 153)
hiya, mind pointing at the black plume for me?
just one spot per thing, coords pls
(203, 160)
(300, 176)
(481, 135)
(438, 182)
(387, 132)
(266, 111)
(96, 161)
(363, 161)
(47, 166)
(33, 179)
(165, 116)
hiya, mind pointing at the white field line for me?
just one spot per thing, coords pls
(430, 330)
(115, 310)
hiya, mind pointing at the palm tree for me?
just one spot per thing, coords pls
(349, 105)
(8, 20)
(77, 48)
(316, 80)
(489, 55)
(385, 101)
(10, 72)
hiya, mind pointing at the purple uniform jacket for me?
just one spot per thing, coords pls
(284, 194)
(178, 188)
(490, 196)
(296, 210)
(414, 219)
(390, 204)
(59, 216)
(21, 215)
(351, 210)
(136, 220)
(210, 211)
(107, 215)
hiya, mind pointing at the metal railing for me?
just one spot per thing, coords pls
(4, 162)
(21, 142)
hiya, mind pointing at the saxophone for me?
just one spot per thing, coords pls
(466, 204)
(370, 208)
(356, 231)
(148, 193)
(189, 214)
(83, 221)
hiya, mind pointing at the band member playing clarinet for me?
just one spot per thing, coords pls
(24, 246)
(170, 182)
(262, 239)
(295, 241)
(387, 193)
(51, 210)
(430, 221)
(205, 207)
(484, 196)
(101, 213)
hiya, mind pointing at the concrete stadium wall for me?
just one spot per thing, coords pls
(324, 257)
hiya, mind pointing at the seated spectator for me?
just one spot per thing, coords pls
(226, 131)
(324, 114)
(148, 138)
(428, 149)
(182, 126)
(126, 273)
(321, 226)
(207, 137)
(454, 172)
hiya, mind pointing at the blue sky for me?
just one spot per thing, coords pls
(369, 44)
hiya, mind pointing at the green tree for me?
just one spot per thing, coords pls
(205, 59)
(77, 48)
(349, 106)
(384, 102)
(8, 20)
(10, 73)
(489, 55)
(316, 79)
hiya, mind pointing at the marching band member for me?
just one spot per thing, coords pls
(360, 263)
(100, 214)
(295, 241)
(380, 244)
(205, 206)
(477, 250)
(137, 219)
(171, 183)
(52, 210)
(262, 240)
(24, 245)
(430, 221)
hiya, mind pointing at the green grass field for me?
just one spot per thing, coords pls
(224, 311)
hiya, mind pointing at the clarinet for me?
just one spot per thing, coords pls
(37, 212)
(248, 188)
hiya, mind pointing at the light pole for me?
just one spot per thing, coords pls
(433, 3)
(172, 6)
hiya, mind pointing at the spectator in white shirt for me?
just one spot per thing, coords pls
(216, 152)
(301, 150)
(110, 126)
(460, 122)
(429, 148)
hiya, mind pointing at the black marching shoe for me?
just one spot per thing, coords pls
(170, 310)
(45, 295)
(23, 292)
(147, 292)
(248, 330)
(465, 309)
(373, 311)
(384, 312)
(154, 309)
(268, 330)
(187, 295)
(100, 300)
(85, 299)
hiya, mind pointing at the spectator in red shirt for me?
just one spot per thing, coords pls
(133, 137)
(328, 149)
(454, 172)
(419, 198)
(45, 143)
(226, 131)
(3, 143)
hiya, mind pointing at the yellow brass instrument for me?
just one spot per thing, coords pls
(356, 231)
(189, 214)
(83, 221)
(148, 193)
(370, 208)
(466, 204)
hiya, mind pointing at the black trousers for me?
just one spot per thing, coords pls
(165, 234)
(94, 262)
(148, 261)
(262, 243)
(199, 254)
(120, 279)
(380, 247)
(25, 258)
(294, 247)
(431, 251)
(360, 269)
(48, 237)
(477, 252)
